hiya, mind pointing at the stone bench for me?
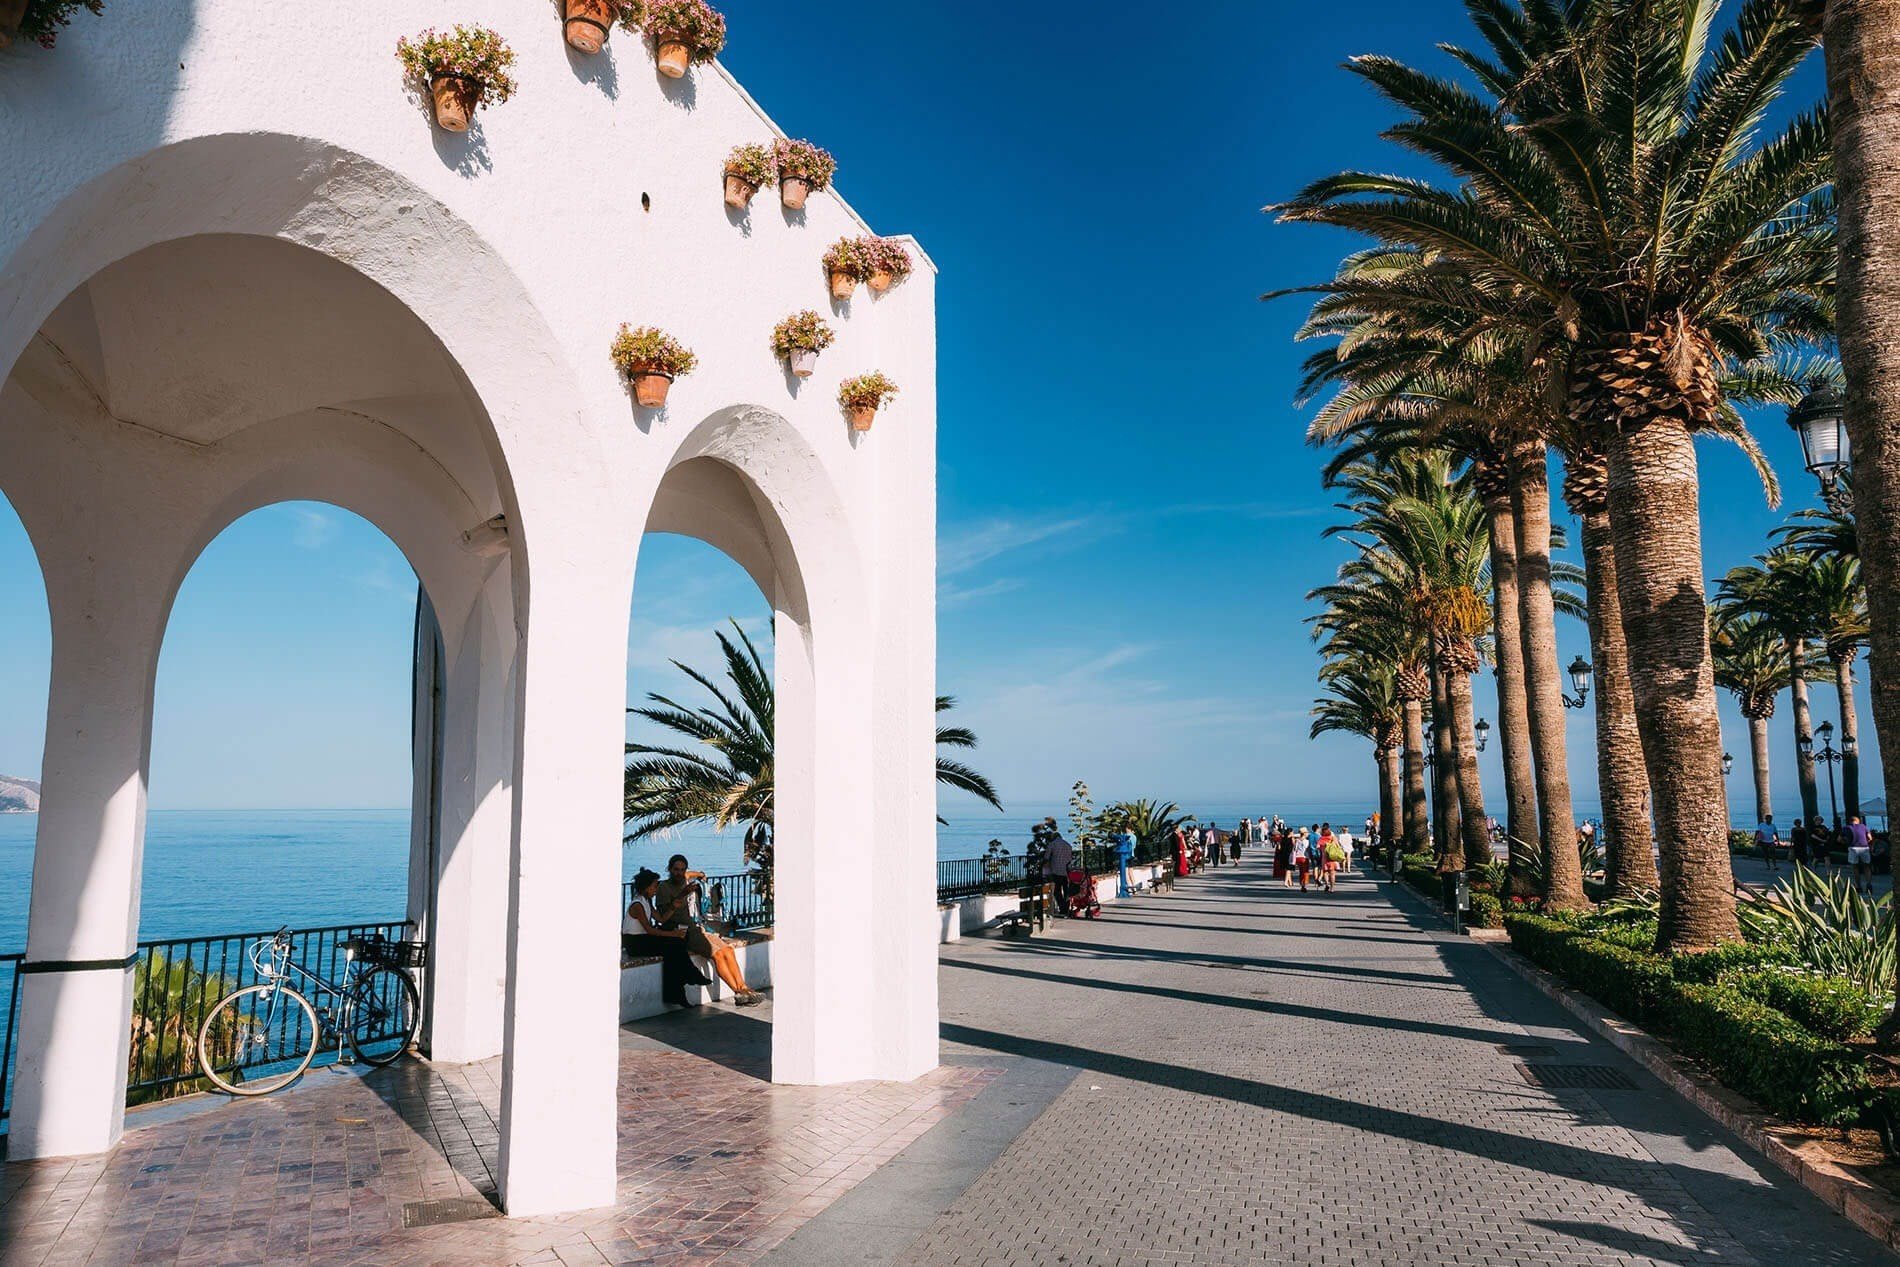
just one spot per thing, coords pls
(640, 978)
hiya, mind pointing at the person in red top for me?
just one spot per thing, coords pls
(1180, 852)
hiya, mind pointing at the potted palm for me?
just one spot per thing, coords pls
(40, 20)
(588, 23)
(846, 264)
(888, 263)
(863, 396)
(799, 339)
(650, 359)
(749, 168)
(462, 69)
(803, 169)
(684, 32)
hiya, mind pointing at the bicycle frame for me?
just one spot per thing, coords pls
(275, 967)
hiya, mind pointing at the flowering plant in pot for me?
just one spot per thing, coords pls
(462, 69)
(588, 23)
(685, 32)
(863, 396)
(40, 20)
(887, 261)
(803, 169)
(847, 264)
(749, 168)
(799, 339)
(650, 359)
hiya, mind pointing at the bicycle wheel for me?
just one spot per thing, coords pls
(258, 1040)
(385, 1013)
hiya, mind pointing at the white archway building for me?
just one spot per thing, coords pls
(237, 266)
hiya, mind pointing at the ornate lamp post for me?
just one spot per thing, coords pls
(1728, 764)
(1580, 672)
(1820, 420)
(1829, 756)
(1484, 733)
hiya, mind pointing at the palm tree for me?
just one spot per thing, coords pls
(1840, 614)
(725, 775)
(1153, 823)
(1777, 588)
(1613, 194)
(1752, 665)
(1362, 699)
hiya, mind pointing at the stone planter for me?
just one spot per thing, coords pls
(842, 285)
(455, 98)
(673, 56)
(862, 416)
(650, 388)
(803, 362)
(12, 13)
(588, 23)
(949, 923)
(793, 190)
(880, 281)
(739, 192)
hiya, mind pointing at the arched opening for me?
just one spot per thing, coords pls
(26, 650)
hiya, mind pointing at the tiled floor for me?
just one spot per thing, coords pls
(716, 1165)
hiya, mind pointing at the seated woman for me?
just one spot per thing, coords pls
(641, 935)
(677, 898)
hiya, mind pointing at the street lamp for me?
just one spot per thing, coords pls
(1820, 420)
(1484, 733)
(1728, 764)
(1580, 671)
(1830, 757)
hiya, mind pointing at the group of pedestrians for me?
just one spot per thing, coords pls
(1309, 855)
(1811, 842)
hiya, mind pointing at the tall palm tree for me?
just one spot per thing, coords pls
(1752, 665)
(1611, 185)
(1362, 699)
(1840, 613)
(1777, 587)
(953, 773)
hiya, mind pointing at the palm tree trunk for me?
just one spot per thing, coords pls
(1862, 38)
(1803, 727)
(1850, 736)
(1514, 726)
(1447, 822)
(1392, 796)
(1530, 505)
(1622, 775)
(1758, 753)
(1471, 816)
(1417, 832)
(1655, 524)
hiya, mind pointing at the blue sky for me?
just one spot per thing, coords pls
(1130, 517)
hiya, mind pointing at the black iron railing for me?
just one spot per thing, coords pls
(10, 973)
(734, 901)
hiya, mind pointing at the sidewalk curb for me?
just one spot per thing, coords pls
(1872, 1209)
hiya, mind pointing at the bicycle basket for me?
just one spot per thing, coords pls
(396, 954)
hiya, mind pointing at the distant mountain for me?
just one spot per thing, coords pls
(18, 796)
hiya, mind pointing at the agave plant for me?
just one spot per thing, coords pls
(1836, 930)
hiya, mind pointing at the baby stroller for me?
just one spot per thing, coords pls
(1082, 899)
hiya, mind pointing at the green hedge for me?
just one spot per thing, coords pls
(1832, 1007)
(1768, 1056)
(1486, 911)
(1633, 982)
(1706, 967)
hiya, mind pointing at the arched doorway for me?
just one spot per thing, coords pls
(26, 650)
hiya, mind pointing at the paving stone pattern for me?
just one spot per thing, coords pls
(1276, 1077)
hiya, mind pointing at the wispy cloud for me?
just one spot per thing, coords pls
(311, 529)
(950, 594)
(972, 545)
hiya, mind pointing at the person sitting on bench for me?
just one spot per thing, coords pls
(677, 897)
(641, 935)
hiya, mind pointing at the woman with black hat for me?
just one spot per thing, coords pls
(641, 936)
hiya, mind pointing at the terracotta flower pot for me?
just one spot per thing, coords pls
(589, 22)
(650, 388)
(880, 281)
(842, 284)
(862, 416)
(12, 13)
(455, 99)
(739, 192)
(803, 362)
(793, 190)
(673, 57)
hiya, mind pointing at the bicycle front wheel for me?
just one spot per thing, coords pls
(258, 1040)
(385, 1013)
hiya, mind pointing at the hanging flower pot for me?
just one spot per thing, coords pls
(888, 263)
(803, 169)
(799, 339)
(650, 359)
(863, 396)
(846, 264)
(588, 23)
(464, 69)
(749, 169)
(685, 33)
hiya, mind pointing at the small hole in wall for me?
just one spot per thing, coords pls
(646, 203)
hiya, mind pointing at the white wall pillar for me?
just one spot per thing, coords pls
(561, 1053)
(82, 924)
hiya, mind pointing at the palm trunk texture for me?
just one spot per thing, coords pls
(1622, 775)
(1417, 832)
(1758, 753)
(1850, 736)
(1514, 724)
(1447, 821)
(1392, 797)
(1803, 725)
(1471, 815)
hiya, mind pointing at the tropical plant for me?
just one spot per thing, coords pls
(1751, 665)
(44, 18)
(753, 164)
(473, 53)
(167, 998)
(1362, 699)
(1835, 929)
(648, 350)
(694, 23)
(996, 870)
(866, 391)
(850, 257)
(1778, 588)
(801, 332)
(1153, 822)
(953, 773)
(801, 160)
(1084, 822)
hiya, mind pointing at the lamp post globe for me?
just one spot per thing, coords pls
(1819, 419)
(1484, 733)
(1728, 764)
(1580, 672)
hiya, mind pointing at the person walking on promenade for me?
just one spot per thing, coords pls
(1303, 859)
(1124, 854)
(1058, 859)
(1283, 857)
(1860, 854)
(1344, 838)
(1180, 851)
(1330, 855)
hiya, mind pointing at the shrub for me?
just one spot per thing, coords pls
(693, 23)
(1768, 1056)
(474, 53)
(1631, 936)
(801, 332)
(650, 351)
(43, 18)
(887, 255)
(1832, 927)
(866, 391)
(1832, 1007)
(1705, 967)
(848, 256)
(1486, 911)
(1632, 982)
(805, 160)
(1742, 842)
(752, 164)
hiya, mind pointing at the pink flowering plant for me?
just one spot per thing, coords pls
(849, 256)
(43, 18)
(474, 53)
(647, 350)
(887, 255)
(694, 23)
(866, 391)
(803, 160)
(801, 332)
(629, 15)
(752, 164)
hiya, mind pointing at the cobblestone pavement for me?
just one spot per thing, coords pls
(1275, 1077)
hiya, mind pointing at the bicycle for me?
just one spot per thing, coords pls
(262, 1037)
